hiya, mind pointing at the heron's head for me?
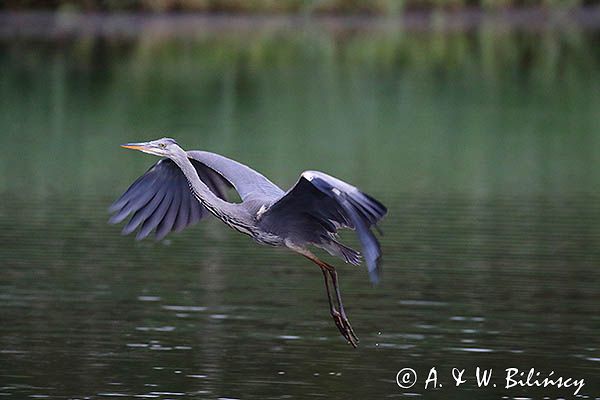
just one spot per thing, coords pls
(165, 147)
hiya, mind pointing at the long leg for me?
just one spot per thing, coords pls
(339, 317)
(336, 286)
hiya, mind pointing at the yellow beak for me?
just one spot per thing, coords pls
(134, 146)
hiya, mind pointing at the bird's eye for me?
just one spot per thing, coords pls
(162, 145)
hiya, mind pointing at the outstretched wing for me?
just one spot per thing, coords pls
(247, 182)
(321, 204)
(161, 199)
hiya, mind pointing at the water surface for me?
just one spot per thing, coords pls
(484, 148)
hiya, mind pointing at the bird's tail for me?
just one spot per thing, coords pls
(335, 248)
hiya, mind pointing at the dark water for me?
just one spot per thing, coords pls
(486, 151)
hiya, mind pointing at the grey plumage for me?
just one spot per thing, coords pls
(318, 205)
(177, 192)
(161, 199)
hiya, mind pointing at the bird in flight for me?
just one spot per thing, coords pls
(178, 190)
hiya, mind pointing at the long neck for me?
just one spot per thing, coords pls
(220, 208)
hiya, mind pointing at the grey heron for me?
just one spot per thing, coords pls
(177, 191)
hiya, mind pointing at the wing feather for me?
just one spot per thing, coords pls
(161, 200)
(246, 181)
(156, 217)
(166, 224)
(318, 205)
(144, 212)
(183, 213)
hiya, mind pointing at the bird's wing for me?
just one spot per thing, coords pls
(246, 181)
(161, 199)
(327, 203)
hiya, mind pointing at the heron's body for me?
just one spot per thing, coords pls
(177, 191)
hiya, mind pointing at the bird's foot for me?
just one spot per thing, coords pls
(343, 325)
(349, 327)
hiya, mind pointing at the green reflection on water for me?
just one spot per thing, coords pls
(484, 148)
